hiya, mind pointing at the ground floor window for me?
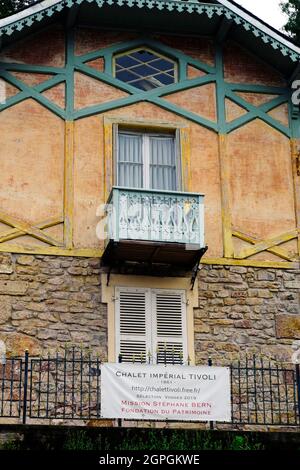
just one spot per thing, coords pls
(151, 323)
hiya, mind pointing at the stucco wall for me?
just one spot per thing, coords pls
(261, 181)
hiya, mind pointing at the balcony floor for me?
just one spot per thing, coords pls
(175, 254)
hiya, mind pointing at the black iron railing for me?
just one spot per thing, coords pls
(11, 381)
(68, 387)
(265, 393)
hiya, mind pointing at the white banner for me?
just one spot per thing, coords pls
(159, 392)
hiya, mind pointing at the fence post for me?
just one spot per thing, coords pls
(25, 386)
(298, 389)
(211, 424)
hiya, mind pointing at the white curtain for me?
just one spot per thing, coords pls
(158, 169)
(130, 160)
(163, 163)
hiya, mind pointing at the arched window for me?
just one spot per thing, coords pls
(145, 69)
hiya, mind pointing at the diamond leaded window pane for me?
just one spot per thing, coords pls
(145, 69)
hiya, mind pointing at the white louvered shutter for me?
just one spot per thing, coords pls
(169, 326)
(133, 324)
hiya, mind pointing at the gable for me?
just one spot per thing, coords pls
(214, 19)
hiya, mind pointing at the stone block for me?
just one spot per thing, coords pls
(25, 260)
(292, 284)
(56, 281)
(17, 344)
(266, 275)
(201, 327)
(246, 324)
(288, 326)
(238, 269)
(13, 287)
(22, 315)
(5, 309)
(6, 266)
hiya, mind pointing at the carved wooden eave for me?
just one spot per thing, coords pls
(203, 18)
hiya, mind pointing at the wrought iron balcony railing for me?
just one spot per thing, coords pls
(156, 216)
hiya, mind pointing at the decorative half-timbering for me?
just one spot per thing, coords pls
(140, 141)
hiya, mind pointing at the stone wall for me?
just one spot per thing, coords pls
(247, 311)
(47, 302)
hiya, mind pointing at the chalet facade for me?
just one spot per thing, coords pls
(140, 141)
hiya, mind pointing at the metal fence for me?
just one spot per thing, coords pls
(68, 387)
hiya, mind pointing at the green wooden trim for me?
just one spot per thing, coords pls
(272, 104)
(108, 79)
(161, 91)
(108, 64)
(32, 92)
(184, 113)
(22, 95)
(213, 75)
(185, 85)
(250, 88)
(182, 68)
(18, 98)
(220, 90)
(147, 42)
(47, 84)
(153, 96)
(109, 106)
(256, 112)
(294, 118)
(294, 125)
(30, 68)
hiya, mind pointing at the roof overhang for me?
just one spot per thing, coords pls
(208, 19)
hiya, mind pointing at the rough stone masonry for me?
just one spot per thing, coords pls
(245, 310)
(47, 302)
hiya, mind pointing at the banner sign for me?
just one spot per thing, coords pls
(160, 392)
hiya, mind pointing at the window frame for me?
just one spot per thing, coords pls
(148, 49)
(110, 127)
(146, 134)
(137, 281)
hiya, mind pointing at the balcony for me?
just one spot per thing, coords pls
(154, 227)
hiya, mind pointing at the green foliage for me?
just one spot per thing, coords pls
(78, 440)
(164, 440)
(11, 445)
(161, 440)
(8, 7)
(245, 443)
(292, 9)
